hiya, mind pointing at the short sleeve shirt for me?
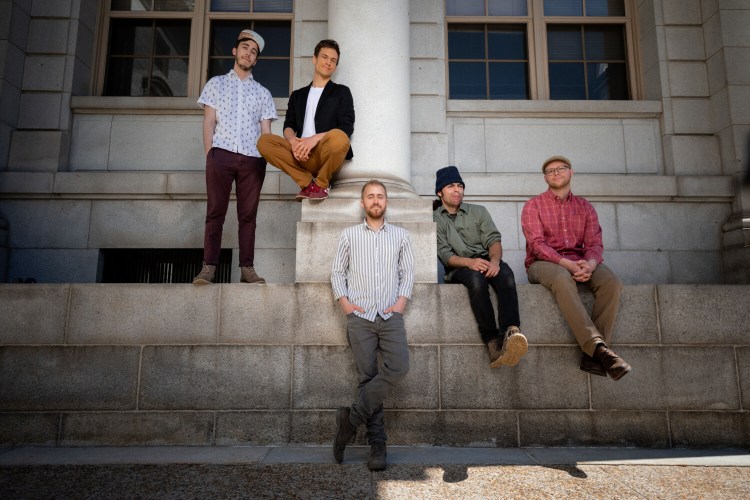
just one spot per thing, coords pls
(240, 107)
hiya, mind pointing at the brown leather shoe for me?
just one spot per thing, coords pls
(616, 366)
(206, 276)
(345, 431)
(250, 276)
(593, 366)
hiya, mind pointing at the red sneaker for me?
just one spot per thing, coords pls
(316, 192)
(305, 193)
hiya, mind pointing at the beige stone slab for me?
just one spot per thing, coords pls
(110, 183)
(33, 314)
(262, 314)
(26, 182)
(253, 428)
(143, 314)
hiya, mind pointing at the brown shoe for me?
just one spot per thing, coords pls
(345, 431)
(206, 276)
(593, 366)
(616, 366)
(377, 458)
(514, 346)
(250, 276)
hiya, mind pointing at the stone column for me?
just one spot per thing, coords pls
(374, 41)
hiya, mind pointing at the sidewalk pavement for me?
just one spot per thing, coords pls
(413, 472)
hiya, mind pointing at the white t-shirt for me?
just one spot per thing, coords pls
(308, 129)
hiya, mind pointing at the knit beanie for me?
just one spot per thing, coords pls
(445, 176)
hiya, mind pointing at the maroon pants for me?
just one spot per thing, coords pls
(247, 172)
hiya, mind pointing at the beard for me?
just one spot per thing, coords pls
(375, 212)
(242, 65)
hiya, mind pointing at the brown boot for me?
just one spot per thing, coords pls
(592, 366)
(206, 276)
(377, 458)
(250, 276)
(514, 346)
(616, 366)
(345, 431)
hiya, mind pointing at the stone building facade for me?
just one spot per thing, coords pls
(83, 173)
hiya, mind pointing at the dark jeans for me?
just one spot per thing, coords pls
(247, 172)
(366, 338)
(504, 285)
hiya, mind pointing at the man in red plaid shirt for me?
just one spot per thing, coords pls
(563, 248)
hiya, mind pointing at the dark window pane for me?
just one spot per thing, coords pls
(272, 6)
(219, 66)
(131, 37)
(230, 5)
(467, 80)
(508, 8)
(278, 37)
(273, 74)
(466, 41)
(564, 43)
(566, 81)
(131, 5)
(273, 67)
(127, 77)
(509, 81)
(607, 81)
(563, 8)
(172, 38)
(605, 8)
(605, 42)
(169, 77)
(464, 7)
(506, 42)
(223, 36)
(174, 5)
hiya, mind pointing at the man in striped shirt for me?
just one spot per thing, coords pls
(372, 278)
(564, 247)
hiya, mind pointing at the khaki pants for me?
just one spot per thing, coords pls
(607, 288)
(325, 159)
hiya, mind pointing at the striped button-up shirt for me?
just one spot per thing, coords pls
(556, 228)
(372, 268)
(240, 107)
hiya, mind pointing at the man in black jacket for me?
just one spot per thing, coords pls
(319, 121)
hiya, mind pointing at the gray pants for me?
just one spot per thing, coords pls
(366, 339)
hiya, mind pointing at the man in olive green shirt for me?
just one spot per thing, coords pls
(469, 245)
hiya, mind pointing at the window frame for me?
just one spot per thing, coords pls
(200, 27)
(536, 37)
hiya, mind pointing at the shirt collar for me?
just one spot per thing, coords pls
(552, 196)
(368, 228)
(233, 74)
(442, 210)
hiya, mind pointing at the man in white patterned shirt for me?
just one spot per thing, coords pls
(236, 110)
(372, 278)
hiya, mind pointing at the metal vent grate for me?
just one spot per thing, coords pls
(144, 265)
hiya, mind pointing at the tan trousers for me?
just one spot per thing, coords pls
(607, 288)
(325, 159)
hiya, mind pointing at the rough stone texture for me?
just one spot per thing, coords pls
(68, 378)
(20, 306)
(30, 429)
(258, 383)
(143, 314)
(137, 429)
(215, 377)
(522, 386)
(76, 265)
(671, 378)
(47, 224)
(589, 428)
(253, 428)
(710, 429)
(704, 314)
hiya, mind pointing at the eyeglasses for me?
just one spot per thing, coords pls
(559, 170)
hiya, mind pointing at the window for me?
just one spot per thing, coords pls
(172, 47)
(540, 49)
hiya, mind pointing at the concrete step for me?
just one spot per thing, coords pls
(125, 365)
